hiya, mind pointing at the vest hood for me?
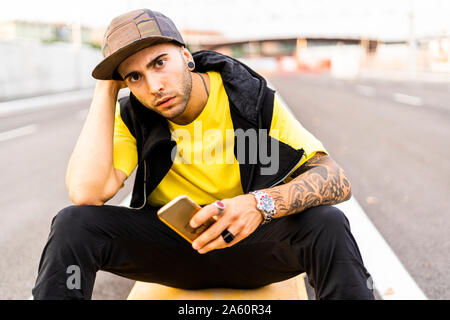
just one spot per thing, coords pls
(251, 107)
(245, 88)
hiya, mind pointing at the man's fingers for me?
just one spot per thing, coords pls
(219, 242)
(215, 232)
(209, 234)
(203, 215)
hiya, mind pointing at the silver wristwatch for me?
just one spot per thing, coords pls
(265, 204)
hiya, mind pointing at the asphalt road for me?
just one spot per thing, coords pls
(32, 191)
(390, 137)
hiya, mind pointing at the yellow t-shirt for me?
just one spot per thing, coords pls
(205, 167)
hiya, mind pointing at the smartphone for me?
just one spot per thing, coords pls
(177, 214)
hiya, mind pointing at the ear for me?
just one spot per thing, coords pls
(187, 56)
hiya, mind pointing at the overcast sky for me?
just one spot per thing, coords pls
(385, 19)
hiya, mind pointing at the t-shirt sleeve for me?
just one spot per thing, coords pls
(289, 130)
(124, 151)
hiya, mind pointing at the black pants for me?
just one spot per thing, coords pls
(136, 245)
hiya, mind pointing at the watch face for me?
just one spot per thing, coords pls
(267, 204)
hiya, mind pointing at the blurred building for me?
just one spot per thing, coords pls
(55, 56)
(195, 39)
(49, 32)
(54, 32)
(344, 56)
(438, 49)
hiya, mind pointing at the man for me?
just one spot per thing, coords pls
(274, 213)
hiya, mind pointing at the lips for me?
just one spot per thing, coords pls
(164, 101)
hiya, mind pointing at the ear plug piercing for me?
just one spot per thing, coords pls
(191, 65)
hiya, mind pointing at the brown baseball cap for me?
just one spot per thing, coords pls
(129, 33)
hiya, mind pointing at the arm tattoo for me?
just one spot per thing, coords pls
(279, 200)
(319, 181)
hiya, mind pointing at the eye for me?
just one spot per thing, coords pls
(160, 62)
(134, 77)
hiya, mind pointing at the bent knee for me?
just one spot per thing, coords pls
(330, 217)
(74, 217)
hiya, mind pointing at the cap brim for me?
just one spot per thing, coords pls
(105, 69)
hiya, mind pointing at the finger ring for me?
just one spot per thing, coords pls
(227, 236)
(220, 206)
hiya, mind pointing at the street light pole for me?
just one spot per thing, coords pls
(412, 40)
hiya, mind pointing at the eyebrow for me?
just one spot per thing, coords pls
(151, 63)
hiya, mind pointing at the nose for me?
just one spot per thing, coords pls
(154, 83)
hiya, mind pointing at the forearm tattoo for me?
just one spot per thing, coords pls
(319, 181)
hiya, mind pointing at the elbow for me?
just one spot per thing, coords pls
(90, 192)
(85, 198)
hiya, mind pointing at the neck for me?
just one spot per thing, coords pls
(197, 100)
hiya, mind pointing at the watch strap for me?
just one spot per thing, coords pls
(265, 204)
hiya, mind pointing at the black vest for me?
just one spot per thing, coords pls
(251, 107)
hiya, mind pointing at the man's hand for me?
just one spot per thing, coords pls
(240, 217)
(112, 86)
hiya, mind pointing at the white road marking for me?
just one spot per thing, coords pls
(365, 90)
(126, 201)
(406, 99)
(18, 132)
(14, 106)
(391, 280)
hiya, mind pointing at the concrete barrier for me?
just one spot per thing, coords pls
(32, 68)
